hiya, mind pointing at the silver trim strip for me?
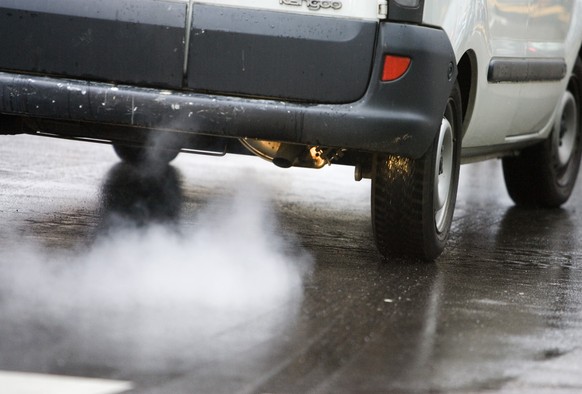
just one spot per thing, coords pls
(189, 17)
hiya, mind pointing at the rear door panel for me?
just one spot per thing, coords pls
(127, 41)
(279, 54)
(284, 49)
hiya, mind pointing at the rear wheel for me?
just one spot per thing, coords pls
(544, 175)
(413, 200)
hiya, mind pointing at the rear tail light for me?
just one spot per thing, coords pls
(394, 67)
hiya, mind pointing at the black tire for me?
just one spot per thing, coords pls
(142, 155)
(544, 175)
(406, 215)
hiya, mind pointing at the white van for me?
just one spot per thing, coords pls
(403, 90)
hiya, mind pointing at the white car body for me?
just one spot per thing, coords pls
(508, 113)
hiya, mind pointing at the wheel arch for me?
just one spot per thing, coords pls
(467, 78)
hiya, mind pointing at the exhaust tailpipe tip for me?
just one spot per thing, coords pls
(288, 155)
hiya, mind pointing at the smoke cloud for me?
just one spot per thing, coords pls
(157, 293)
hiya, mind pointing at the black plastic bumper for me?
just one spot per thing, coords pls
(399, 117)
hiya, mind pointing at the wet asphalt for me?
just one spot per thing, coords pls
(499, 311)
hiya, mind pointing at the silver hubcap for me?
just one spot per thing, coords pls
(565, 129)
(443, 176)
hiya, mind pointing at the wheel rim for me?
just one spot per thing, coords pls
(566, 129)
(443, 176)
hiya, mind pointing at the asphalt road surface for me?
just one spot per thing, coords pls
(229, 275)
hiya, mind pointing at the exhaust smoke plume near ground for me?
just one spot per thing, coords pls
(154, 293)
(500, 311)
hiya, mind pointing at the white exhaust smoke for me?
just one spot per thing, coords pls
(143, 297)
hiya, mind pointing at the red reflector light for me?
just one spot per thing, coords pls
(394, 67)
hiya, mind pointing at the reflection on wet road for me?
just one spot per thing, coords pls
(231, 275)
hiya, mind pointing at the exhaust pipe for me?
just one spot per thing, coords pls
(288, 155)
